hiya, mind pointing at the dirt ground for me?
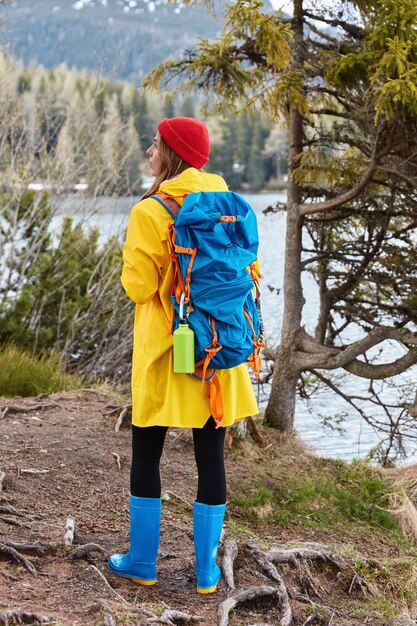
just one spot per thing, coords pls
(63, 459)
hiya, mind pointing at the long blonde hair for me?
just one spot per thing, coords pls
(171, 165)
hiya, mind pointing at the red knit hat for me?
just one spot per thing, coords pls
(187, 137)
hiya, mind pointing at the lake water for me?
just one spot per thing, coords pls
(110, 215)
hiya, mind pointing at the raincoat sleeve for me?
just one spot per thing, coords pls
(144, 255)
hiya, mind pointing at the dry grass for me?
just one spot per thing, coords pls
(21, 374)
(403, 500)
(404, 511)
(405, 477)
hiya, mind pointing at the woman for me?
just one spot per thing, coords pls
(161, 398)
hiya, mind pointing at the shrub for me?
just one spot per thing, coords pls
(60, 290)
(24, 375)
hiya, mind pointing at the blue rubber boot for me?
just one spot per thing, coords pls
(208, 523)
(139, 563)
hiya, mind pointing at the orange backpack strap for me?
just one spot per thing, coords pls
(255, 360)
(173, 208)
(208, 374)
(216, 401)
(169, 203)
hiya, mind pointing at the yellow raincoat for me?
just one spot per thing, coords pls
(160, 397)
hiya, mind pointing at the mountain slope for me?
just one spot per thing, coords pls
(123, 38)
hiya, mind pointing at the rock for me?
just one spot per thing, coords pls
(403, 619)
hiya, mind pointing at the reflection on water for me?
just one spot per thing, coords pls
(110, 215)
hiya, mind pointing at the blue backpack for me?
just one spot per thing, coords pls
(214, 246)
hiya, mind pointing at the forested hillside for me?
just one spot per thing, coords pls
(122, 38)
(66, 126)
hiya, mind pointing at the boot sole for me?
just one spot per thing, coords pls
(145, 583)
(207, 589)
(138, 581)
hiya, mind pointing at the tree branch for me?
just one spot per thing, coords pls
(388, 170)
(351, 29)
(340, 393)
(385, 370)
(332, 112)
(322, 34)
(329, 205)
(332, 92)
(327, 357)
(355, 277)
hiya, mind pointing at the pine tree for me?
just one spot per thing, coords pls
(255, 172)
(169, 108)
(187, 107)
(344, 77)
(64, 155)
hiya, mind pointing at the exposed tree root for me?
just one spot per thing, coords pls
(243, 429)
(317, 619)
(243, 595)
(9, 577)
(315, 605)
(167, 495)
(118, 461)
(293, 555)
(10, 510)
(299, 558)
(108, 585)
(229, 556)
(109, 618)
(17, 616)
(172, 618)
(112, 409)
(125, 415)
(307, 582)
(254, 432)
(38, 547)
(12, 522)
(272, 571)
(319, 551)
(361, 585)
(86, 551)
(17, 556)
(28, 408)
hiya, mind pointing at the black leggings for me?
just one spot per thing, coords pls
(147, 446)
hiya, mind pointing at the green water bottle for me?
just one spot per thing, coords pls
(184, 350)
(183, 344)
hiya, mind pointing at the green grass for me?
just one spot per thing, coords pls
(258, 497)
(356, 492)
(284, 492)
(331, 495)
(24, 375)
(375, 606)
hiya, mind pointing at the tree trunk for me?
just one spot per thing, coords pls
(281, 406)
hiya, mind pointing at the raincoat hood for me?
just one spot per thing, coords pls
(192, 180)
